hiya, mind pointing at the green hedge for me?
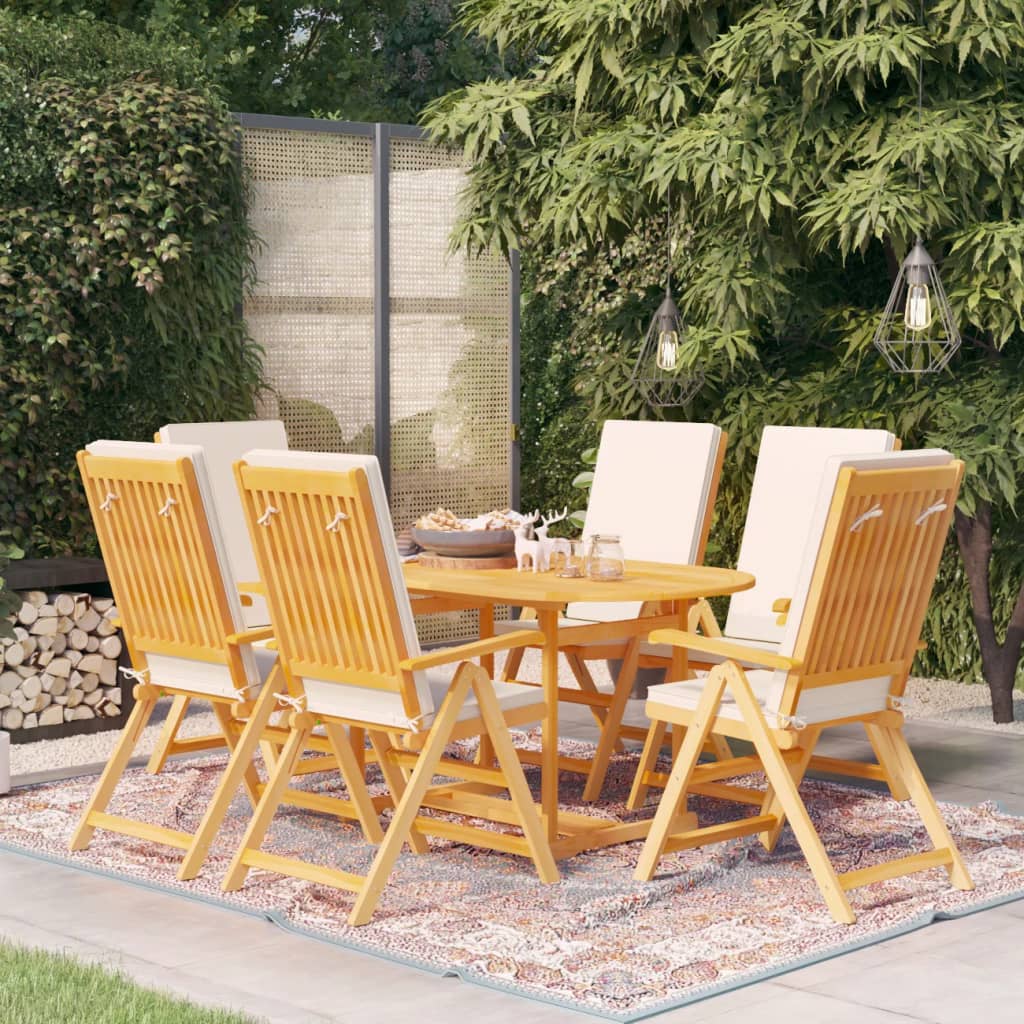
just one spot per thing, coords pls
(124, 251)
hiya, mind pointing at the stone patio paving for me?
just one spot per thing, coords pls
(950, 972)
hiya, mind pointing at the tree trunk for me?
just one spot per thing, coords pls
(998, 660)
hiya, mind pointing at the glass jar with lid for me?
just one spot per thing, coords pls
(605, 560)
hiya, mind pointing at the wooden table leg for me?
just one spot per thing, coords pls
(548, 622)
(487, 630)
(485, 752)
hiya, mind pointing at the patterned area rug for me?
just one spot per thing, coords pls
(713, 919)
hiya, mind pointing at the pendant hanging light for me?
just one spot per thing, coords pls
(918, 333)
(657, 371)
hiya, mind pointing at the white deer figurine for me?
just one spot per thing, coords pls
(527, 547)
(550, 545)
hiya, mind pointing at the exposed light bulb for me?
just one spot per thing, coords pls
(918, 315)
(668, 350)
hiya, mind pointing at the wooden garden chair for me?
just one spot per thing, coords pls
(165, 554)
(343, 622)
(654, 484)
(223, 445)
(849, 641)
(791, 462)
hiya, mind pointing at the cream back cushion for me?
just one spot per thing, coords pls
(223, 445)
(862, 695)
(651, 487)
(787, 479)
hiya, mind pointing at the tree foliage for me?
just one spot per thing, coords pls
(785, 141)
(361, 60)
(124, 250)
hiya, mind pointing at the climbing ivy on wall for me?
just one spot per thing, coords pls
(124, 253)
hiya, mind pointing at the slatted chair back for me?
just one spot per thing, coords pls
(790, 465)
(325, 547)
(865, 582)
(223, 445)
(654, 485)
(154, 514)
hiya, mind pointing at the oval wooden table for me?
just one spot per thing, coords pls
(670, 589)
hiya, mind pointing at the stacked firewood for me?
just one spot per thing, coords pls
(61, 664)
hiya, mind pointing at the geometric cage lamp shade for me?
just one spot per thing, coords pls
(918, 333)
(658, 372)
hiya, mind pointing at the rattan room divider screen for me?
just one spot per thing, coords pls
(378, 338)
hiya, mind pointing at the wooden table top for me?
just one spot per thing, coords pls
(643, 581)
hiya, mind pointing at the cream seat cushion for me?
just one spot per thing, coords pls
(513, 625)
(859, 697)
(702, 657)
(384, 708)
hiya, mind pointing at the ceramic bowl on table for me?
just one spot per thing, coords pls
(466, 543)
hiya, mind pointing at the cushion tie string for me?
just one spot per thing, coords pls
(872, 513)
(791, 722)
(264, 519)
(897, 703)
(107, 501)
(939, 506)
(415, 724)
(136, 675)
(335, 524)
(295, 703)
(165, 509)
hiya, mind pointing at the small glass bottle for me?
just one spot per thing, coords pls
(606, 560)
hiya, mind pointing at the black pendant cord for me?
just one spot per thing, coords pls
(668, 240)
(920, 113)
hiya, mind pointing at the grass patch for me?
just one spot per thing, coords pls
(37, 987)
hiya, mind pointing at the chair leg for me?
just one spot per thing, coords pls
(228, 726)
(887, 760)
(407, 809)
(797, 770)
(931, 816)
(587, 685)
(238, 768)
(785, 790)
(395, 780)
(648, 761)
(610, 730)
(145, 701)
(512, 664)
(679, 779)
(352, 774)
(168, 734)
(301, 727)
(515, 779)
(357, 741)
(485, 752)
(719, 747)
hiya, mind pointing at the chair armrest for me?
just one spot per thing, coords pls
(250, 636)
(723, 648)
(464, 652)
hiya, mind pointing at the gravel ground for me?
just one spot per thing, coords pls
(95, 748)
(930, 700)
(964, 704)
